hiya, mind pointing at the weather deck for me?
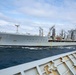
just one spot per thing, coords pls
(63, 64)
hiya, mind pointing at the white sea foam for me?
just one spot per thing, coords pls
(70, 47)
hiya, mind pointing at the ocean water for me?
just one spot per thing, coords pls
(15, 56)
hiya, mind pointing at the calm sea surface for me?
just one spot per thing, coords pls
(15, 56)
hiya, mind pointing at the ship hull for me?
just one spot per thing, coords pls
(8, 39)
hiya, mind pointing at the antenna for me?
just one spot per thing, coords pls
(51, 30)
(17, 28)
(40, 31)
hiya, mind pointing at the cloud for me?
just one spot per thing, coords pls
(6, 18)
(2, 22)
(31, 14)
(36, 9)
(50, 10)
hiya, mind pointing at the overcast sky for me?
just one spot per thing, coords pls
(32, 14)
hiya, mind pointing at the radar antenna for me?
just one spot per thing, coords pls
(17, 28)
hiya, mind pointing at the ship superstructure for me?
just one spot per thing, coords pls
(17, 39)
(72, 35)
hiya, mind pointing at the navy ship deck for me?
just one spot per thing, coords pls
(63, 64)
